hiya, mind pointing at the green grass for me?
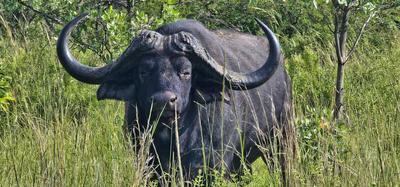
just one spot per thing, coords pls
(57, 134)
(363, 149)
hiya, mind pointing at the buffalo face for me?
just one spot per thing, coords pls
(164, 84)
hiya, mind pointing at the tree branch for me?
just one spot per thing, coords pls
(352, 4)
(358, 37)
(343, 33)
(386, 7)
(42, 13)
(336, 34)
(85, 46)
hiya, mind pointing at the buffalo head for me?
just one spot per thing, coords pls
(160, 70)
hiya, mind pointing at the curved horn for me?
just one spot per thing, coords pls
(238, 81)
(262, 75)
(91, 75)
(145, 41)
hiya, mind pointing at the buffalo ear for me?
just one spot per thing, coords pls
(208, 90)
(119, 89)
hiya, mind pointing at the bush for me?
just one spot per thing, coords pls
(5, 95)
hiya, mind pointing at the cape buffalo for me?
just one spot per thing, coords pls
(227, 92)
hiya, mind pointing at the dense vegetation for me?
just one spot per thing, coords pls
(54, 132)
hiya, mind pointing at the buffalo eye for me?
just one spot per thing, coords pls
(143, 74)
(185, 74)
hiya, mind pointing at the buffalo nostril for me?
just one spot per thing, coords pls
(163, 99)
(173, 99)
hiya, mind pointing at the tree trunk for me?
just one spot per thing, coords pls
(339, 92)
(129, 6)
(342, 16)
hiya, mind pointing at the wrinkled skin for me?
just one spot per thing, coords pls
(218, 126)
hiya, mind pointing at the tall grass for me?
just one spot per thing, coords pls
(363, 148)
(57, 134)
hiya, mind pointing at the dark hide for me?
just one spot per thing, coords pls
(232, 122)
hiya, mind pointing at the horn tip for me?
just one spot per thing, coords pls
(82, 15)
(260, 23)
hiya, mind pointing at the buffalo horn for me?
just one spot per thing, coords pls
(188, 43)
(145, 41)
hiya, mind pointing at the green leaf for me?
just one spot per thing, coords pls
(9, 98)
(171, 2)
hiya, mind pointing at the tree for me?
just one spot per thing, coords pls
(117, 22)
(343, 9)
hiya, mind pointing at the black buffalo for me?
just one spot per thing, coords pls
(229, 113)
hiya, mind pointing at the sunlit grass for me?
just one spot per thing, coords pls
(57, 134)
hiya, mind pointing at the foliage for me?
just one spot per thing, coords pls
(308, 61)
(316, 128)
(5, 95)
(117, 29)
(107, 33)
